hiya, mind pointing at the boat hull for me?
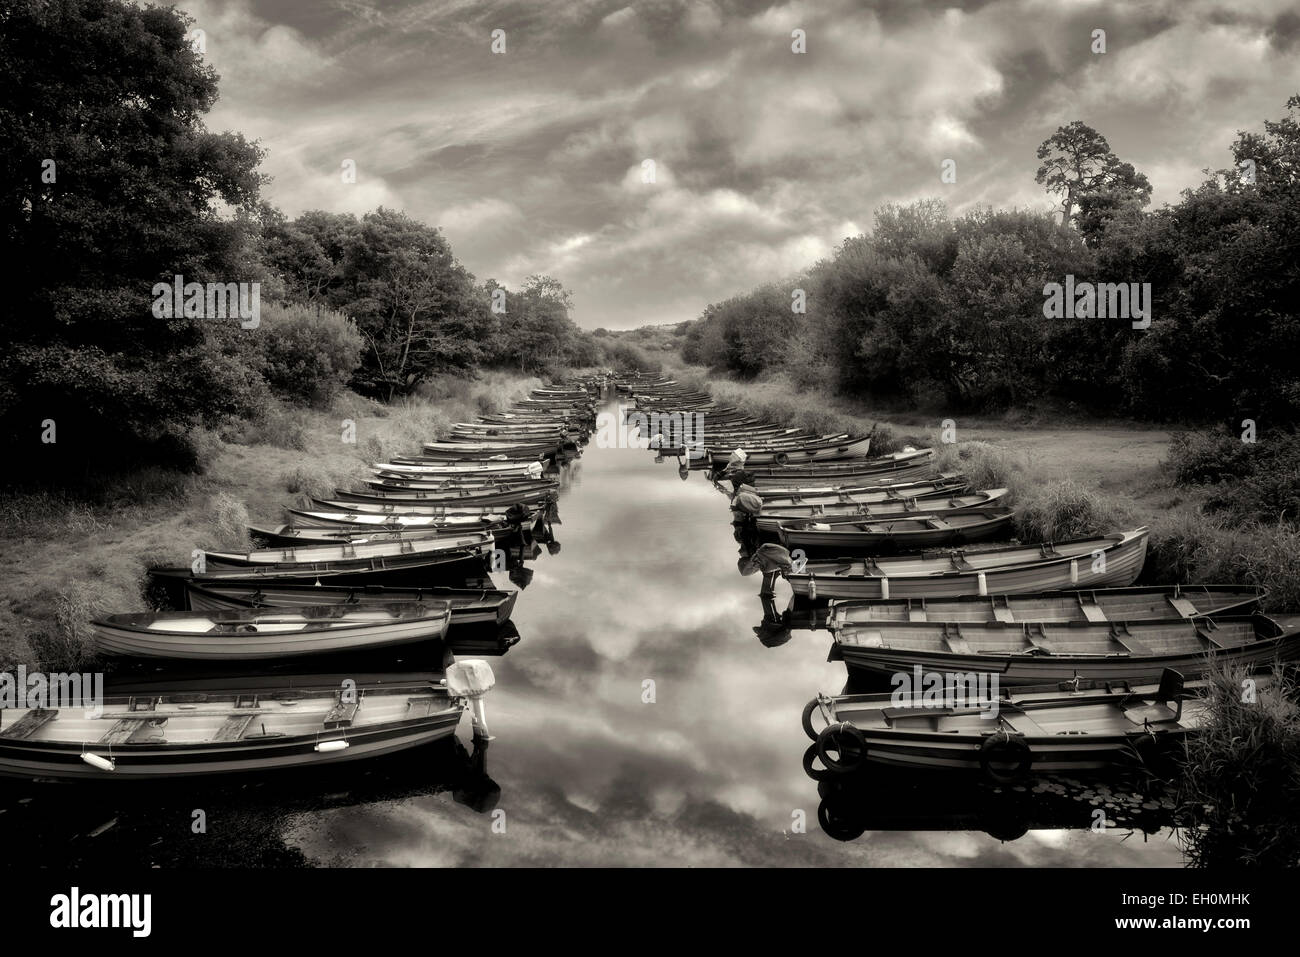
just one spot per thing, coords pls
(468, 606)
(1029, 669)
(1121, 567)
(404, 713)
(325, 630)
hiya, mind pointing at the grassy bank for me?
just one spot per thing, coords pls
(67, 557)
(1068, 476)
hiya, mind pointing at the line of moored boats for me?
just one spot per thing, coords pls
(1004, 656)
(403, 561)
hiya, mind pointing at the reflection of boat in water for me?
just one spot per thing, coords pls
(908, 801)
(247, 818)
(1076, 726)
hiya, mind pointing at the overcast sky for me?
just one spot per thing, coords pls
(531, 160)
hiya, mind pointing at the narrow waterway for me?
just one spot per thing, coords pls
(639, 721)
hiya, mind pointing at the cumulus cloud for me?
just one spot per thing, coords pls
(532, 160)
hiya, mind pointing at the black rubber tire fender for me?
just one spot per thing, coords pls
(1003, 748)
(838, 818)
(808, 711)
(810, 768)
(842, 747)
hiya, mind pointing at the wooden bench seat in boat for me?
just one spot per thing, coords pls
(1119, 633)
(29, 724)
(1204, 630)
(1092, 611)
(1038, 643)
(135, 731)
(234, 727)
(341, 715)
(916, 719)
(956, 643)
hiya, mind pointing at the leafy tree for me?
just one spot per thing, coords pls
(1078, 164)
(535, 332)
(110, 184)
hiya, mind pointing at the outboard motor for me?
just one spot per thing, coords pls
(471, 679)
(747, 500)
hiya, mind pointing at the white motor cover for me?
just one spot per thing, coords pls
(470, 678)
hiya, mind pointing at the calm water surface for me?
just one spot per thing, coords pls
(583, 770)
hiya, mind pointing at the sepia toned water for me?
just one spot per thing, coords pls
(640, 721)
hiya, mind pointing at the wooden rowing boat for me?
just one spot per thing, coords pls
(1053, 729)
(250, 633)
(414, 570)
(471, 520)
(849, 448)
(897, 534)
(468, 606)
(769, 521)
(400, 512)
(452, 492)
(955, 482)
(289, 722)
(885, 463)
(776, 500)
(352, 552)
(504, 470)
(1009, 569)
(434, 497)
(1096, 605)
(280, 536)
(1026, 653)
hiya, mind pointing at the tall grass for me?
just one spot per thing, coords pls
(1064, 509)
(1242, 774)
(225, 528)
(309, 480)
(1187, 546)
(1047, 510)
(66, 643)
(985, 466)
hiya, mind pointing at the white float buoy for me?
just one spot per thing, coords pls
(98, 761)
(338, 744)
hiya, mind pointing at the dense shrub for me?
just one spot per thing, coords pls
(1247, 481)
(308, 353)
(1189, 547)
(626, 357)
